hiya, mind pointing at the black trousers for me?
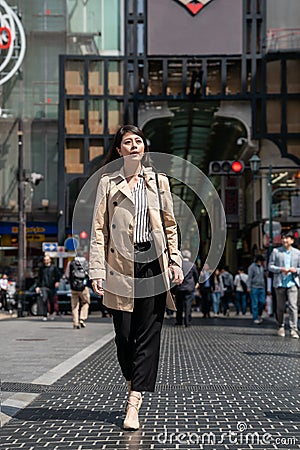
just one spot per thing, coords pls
(206, 300)
(47, 294)
(138, 333)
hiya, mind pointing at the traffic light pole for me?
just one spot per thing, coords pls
(22, 221)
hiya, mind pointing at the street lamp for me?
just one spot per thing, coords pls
(254, 162)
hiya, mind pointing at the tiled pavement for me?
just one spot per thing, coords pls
(222, 384)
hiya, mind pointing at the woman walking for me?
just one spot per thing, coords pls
(217, 291)
(133, 255)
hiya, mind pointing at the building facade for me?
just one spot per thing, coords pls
(199, 91)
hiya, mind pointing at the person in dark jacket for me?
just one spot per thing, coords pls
(48, 280)
(206, 288)
(256, 287)
(184, 294)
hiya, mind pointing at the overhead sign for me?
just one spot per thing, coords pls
(49, 246)
(12, 42)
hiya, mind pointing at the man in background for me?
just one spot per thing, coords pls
(184, 293)
(77, 275)
(257, 288)
(47, 282)
(285, 264)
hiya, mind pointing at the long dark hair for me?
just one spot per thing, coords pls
(113, 154)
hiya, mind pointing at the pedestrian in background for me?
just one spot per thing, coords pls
(217, 291)
(77, 275)
(3, 290)
(256, 287)
(47, 282)
(205, 290)
(185, 292)
(284, 263)
(228, 285)
(133, 255)
(241, 291)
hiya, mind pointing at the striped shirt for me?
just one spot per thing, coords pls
(142, 230)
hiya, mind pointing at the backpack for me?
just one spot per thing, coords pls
(78, 276)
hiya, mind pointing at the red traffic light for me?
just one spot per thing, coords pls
(237, 166)
(227, 167)
(83, 235)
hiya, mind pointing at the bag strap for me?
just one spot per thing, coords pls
(162, 217)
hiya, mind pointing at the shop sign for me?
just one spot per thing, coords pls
(35, 237)
(31, 228)
(194, 6)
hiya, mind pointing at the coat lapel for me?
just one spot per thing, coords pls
(120, 183)
(152, 199)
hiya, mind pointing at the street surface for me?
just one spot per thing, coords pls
(223, 384)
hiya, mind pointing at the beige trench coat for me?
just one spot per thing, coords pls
(111, 247)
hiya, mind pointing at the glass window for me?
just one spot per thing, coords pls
(140, 7)
(9, 163)
(155, 78)
(94, 26)
(274, 77)
(74, 117)
(194, 77)
(45, 15)
(74, 77)
(96, 78)
(115, 115)
(115, 78)
(214, 79)
(96, 123)
(174, 86)
(96, 148)
(74, 156)
(234, 77)
(292, 76)
(273, 116)
(140, 38)
(44, 161)
(40, 80)
(293, 116)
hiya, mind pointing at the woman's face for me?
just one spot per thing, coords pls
(132, 145)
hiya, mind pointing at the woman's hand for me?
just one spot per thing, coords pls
(176, 274)
(97, 286)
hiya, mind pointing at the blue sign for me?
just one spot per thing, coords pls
(49, 246)
(31, 228)
(71, 244)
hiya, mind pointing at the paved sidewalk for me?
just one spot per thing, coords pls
(222, 384)
(33, 351)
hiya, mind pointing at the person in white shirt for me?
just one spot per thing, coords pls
(240, 284)
(3, 290)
